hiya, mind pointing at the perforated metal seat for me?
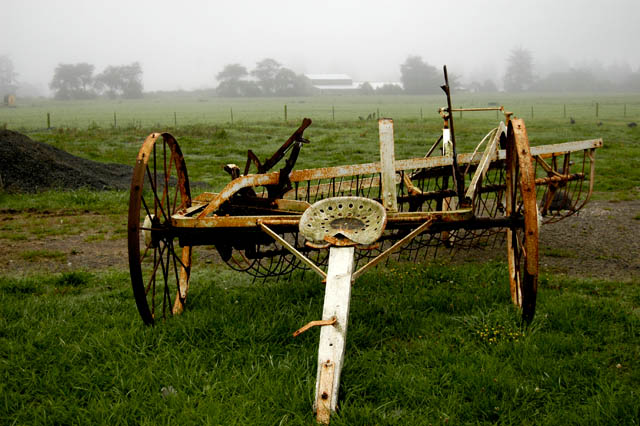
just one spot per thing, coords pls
(360, 220)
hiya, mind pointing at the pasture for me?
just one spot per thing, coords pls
(435, 343)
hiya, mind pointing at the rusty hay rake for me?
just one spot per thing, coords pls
(270, 223)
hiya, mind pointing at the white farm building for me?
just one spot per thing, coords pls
(341, 83)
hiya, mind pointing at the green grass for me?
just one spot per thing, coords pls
(36, 255)
(617, 163)
(557, 252)
(77, 201)
(426, 345)
(208, 139)
(158, 111)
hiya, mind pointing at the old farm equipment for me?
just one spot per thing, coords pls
(269, 223)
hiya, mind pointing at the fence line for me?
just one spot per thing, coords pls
(27, 118)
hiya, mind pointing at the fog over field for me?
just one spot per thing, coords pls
(183, 45)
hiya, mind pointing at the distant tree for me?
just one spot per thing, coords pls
(232, 72)
(366, 89)
(233, 82)
(389, 89)
(455, 81)
(632, 82)
(618, 73)
(8, 78)
(121, 81)
(418, 77)
(235, 88)
(519, 76)
(288, 83)
(489, 86)
(73, 81)
(573, 80)
(271, 79)
(265, 72)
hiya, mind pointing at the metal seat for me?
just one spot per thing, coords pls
(343, 221)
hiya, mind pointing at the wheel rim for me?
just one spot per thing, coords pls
(522, 238)
(159, 268)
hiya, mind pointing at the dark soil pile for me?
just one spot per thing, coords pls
(30, 166)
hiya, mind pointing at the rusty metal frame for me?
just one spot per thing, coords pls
(255, 180)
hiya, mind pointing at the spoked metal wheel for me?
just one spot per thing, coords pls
(159, 267)
(522, 237)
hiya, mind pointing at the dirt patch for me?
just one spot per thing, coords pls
(30, 166)
(602, 241)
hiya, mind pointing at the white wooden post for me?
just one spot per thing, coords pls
(333, 338)
(387, 164)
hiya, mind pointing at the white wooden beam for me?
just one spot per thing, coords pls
(387, 164)
(333, 338)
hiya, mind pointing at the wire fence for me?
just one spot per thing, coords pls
(167, 113)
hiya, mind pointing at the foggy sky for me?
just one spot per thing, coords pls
(183, 44)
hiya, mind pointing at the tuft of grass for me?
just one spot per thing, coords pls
(36, 255)
(73, 279)
(558, 252)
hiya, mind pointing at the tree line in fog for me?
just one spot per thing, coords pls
(270, 78)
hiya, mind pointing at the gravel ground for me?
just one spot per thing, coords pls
(30, 166)
(602, 241)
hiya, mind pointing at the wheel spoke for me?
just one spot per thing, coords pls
(166, 299)
(155, 267)
(164, 292)
(167, 174)
(156, 200)
(175, 270)
(153, 278)
(154, 185)
(175, 198)
(144, 203)
(146, 250)
(176, 257)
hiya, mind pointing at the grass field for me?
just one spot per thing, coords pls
(434, 344)
(430, 345)
(164, 111)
